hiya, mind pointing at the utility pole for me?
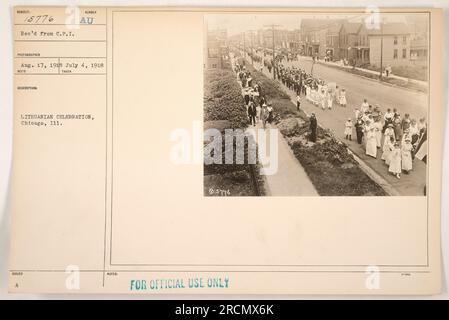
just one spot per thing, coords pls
(274, 69)
(251, 32)
(252, 50)
(244, 50)
(381, 48)
(274, 55)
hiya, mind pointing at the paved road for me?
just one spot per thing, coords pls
(358, 88)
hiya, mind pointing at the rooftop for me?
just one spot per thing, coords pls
(318, 24)
(352, 27)
(391, 28)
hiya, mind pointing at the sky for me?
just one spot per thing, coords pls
(236, 22)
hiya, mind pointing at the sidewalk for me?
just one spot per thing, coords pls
(376, 73)
(290, 178)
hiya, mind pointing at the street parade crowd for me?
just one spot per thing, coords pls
(257, 107)
(397, 139)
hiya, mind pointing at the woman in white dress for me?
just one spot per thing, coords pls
(364, 107)
(314, 96)
(395, 161)
(371, 144)
(323, 98)
(258, 110)
(414, 131)
(308, 91)
(343, 98)
(337, 94)
(406, 135)
(388, 137)
(348, 129)
(329, 99)
(388, 149)
(378, 131)
(406, 153)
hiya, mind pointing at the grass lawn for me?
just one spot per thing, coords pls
(393, 81)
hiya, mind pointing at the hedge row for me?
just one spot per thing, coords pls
(224, 108)
(223, 98)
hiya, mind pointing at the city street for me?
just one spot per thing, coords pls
(386, 96)
(359, 88)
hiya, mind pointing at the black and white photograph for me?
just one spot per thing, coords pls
(316, 104)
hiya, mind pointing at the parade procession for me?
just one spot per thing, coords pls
(385, 135)
(381, 121)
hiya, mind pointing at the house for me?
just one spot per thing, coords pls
(349, 41)
(314, 34)
(362, 47)
(294, 40)
(332, 41)
(419, 51)
(265, 38)
(394, 38)
(217, 51)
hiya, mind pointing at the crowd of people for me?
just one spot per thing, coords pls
(257, 107)
(398, 140)
(394, 139)
(315, 90)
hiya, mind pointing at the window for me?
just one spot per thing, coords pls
(395, 54)
(404, 40)
(213, 52)
(404, 53)
(395, 40)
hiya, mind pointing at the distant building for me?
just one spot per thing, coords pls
(362, 47)
(396, 45)
(349, 41)
(294, 40)
(217, 50)
(419, 51)
(266, 38)
(314, 34)
(332, 50)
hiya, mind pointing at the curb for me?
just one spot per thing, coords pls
(386, 186)
(377, 81)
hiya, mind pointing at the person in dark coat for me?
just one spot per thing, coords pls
(252, 112)
(359, 130)
(262, 100)
(247, 99)
(397, 123)
(270, 116)
(313, 127)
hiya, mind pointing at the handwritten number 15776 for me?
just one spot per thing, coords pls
(39, 19)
